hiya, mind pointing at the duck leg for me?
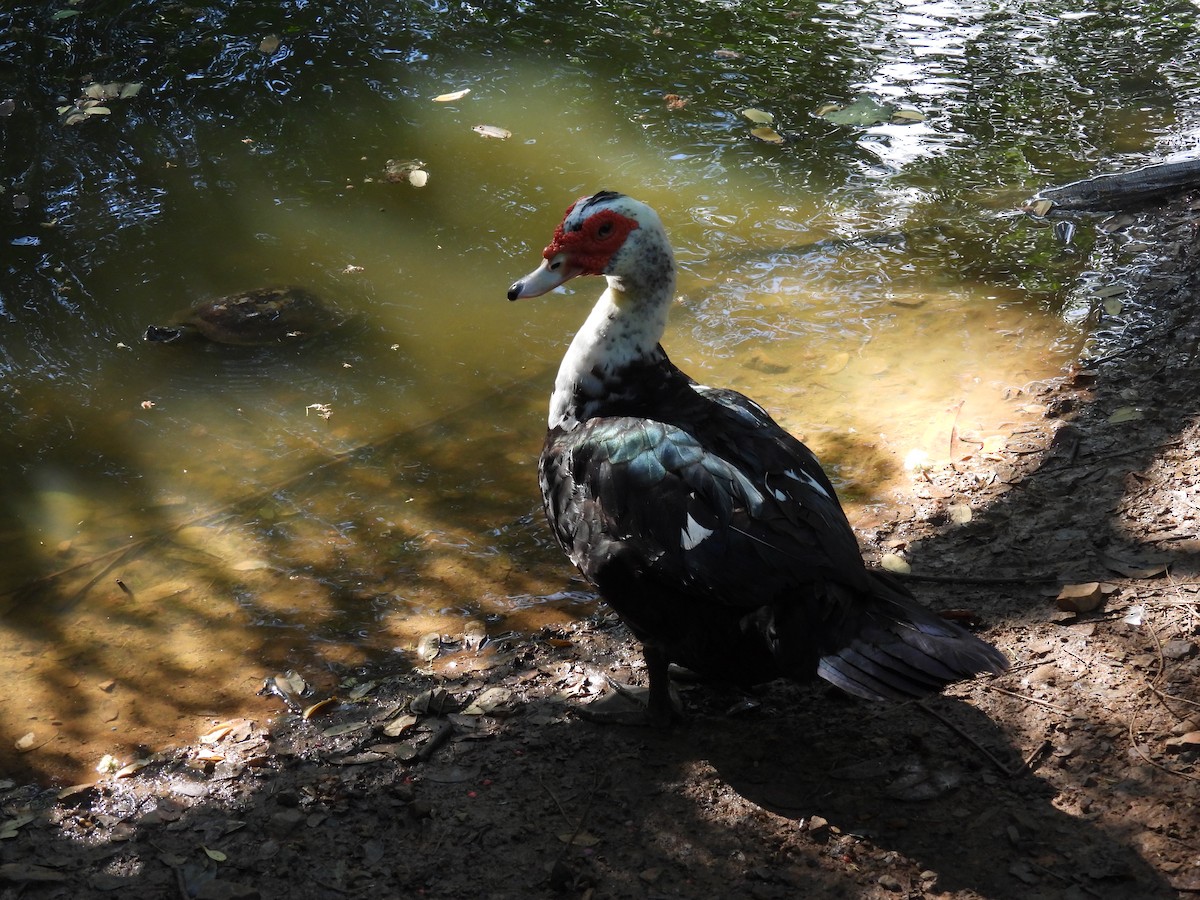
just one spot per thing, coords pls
(657, 706)
(660, 709)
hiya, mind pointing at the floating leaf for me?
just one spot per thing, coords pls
(493, 131)
(907, 116)
(452, 96)
(130, 90)
(291, 683)
(268, 45)
(132, 769)
(418, 178)
(863, 112)
(767, 133)
(216, 855)
(98, 111)
(1039, 207)
(1113, 306)
(361, 690)
(757, 116)
(727, 54)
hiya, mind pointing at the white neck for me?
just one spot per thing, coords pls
(624, 326)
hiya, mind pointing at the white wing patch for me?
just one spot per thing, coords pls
(693, 533)
(805, 478)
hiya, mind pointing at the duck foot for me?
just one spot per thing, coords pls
(626, 704)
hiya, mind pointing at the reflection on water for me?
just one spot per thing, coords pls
(183, 521)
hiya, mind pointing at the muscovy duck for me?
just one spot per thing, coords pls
(712, 532)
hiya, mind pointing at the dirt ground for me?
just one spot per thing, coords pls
(1075, 775)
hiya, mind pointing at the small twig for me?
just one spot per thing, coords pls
(970, 740)
(562, 812)
(1035, 754)
(439, 737)
(1040, 578)
(597, 780)
(1140, 752)
(1057, 709)
(1094, 460)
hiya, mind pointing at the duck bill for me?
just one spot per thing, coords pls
(550, 274)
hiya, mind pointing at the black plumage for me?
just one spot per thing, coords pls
(710, 530)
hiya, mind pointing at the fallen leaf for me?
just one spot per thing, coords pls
(1189, 741)
(429, 646)
(1134, 568)
(893, 563)
(317, 708)
(29, 872)
(452, 96)
(579, 839)
(489, 701)
(1125, 414)
(216, 855)
(348, 728)
(10, 827)
(399, 725)
(492, 131)
(217, 733)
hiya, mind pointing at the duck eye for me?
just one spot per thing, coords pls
(604, 230)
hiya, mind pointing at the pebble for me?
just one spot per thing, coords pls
(890, 883)
(1179, 649)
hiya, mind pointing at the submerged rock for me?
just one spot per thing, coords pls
(273, 315)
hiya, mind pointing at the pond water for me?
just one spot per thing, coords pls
(184, 521)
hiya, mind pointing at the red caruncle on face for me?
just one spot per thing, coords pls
(591, 246)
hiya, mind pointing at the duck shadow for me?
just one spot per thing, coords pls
(937, 781)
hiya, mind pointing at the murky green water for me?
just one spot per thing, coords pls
(182, 521)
